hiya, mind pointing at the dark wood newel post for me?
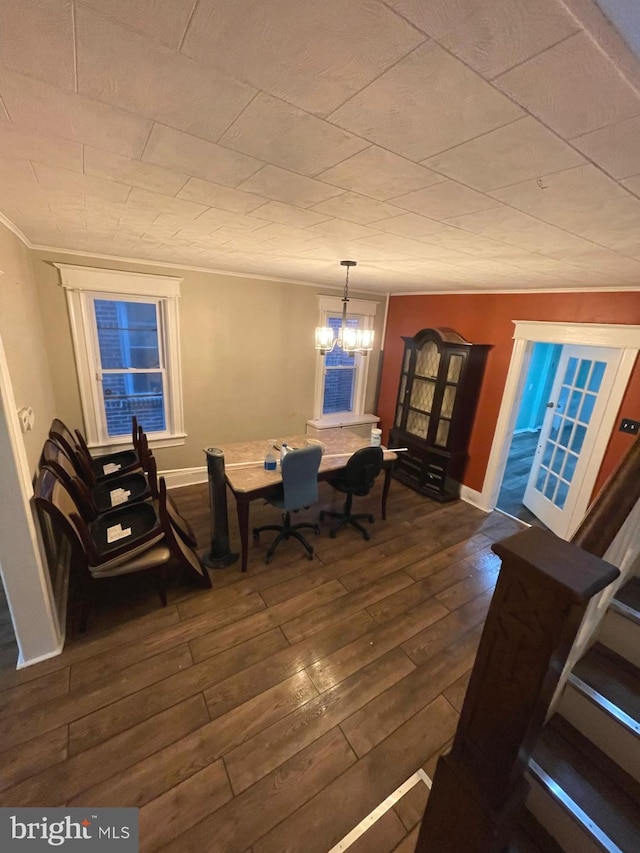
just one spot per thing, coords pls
(540, 598)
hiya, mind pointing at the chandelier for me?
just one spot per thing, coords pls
(351, 341)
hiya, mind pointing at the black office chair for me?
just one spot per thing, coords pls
(357, 478)
(299, 489)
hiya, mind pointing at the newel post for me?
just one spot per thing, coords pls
(540, 598)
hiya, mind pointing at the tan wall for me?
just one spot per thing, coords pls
(248, 363)
(21, 329)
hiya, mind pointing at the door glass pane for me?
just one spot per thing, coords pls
(448, 399)
(542, 473)
(418, 424)
(583, 373)
(558, 461)
(442, 434)
(128, 394)
(587, 408)
(455, 366)
(550, 488)
(597, 373)
(428, 360)
(561, 495)
(562, 399)
(565, 433)
(571, 371)
(422, 394)
(555, 427)
(407, 359)
(570, 467)
(574, 404)
(547, 454)
(578, 439)
(398, 416)
(127, 334)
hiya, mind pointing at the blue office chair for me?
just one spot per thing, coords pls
(299, 489)
(357, 478)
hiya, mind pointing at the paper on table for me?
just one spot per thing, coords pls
(117, 532)
(110, 467)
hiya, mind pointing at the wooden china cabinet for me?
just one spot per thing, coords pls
(439, 389)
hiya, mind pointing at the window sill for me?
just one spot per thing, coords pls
(344, 419)
(117, 444)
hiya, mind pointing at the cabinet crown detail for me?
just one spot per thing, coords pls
(440, 381)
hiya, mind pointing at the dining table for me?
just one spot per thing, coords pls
(243, 464)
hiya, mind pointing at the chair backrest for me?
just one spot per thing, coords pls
(362, 469)
(300, 477)
(63, 436)
(55, 458)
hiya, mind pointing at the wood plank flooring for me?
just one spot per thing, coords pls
(273, 712)
(516, 477)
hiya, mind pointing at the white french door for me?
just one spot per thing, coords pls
(578, 400)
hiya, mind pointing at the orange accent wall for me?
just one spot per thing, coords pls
(488, 319)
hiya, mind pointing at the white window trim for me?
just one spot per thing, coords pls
(366, 309)
(78, 283)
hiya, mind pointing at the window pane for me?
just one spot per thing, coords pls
(550, 488)
(570, 467)
(558, 461)
(565, 434)
(448, 399)
(548, 453)
(338, 358)
(578, 439)
(417, 424)
(542, 473)
(128, 394)
(338, 390)
(422, 394)
(127, 334)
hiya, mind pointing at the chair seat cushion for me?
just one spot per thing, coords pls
(142, 560)
(136, 484)
(107, 466)
(141, 519)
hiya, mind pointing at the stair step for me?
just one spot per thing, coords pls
(602, 701)
(582, 797)
(619, 630)
(531, 837)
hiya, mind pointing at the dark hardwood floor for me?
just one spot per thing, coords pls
(516, 476)
(273, 712)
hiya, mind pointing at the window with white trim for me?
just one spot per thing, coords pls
(125, 335)
(341, 379)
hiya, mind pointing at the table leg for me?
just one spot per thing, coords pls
(243, 524)
(385, 491)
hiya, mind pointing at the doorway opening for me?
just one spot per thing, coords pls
(563, 494)
(526, 433)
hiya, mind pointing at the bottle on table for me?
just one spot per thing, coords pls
(270, 462)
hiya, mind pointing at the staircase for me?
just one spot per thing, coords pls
(585, 768)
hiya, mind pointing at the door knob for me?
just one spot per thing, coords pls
(550, 405)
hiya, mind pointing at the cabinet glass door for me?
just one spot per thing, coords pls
(454, 369)
(403, 387)
(423, 389)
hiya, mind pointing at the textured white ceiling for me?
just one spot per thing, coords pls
(445, 145)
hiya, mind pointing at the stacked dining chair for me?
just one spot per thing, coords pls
(115, 521)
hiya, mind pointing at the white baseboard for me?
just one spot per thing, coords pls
(178, 477)
(471, 496)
